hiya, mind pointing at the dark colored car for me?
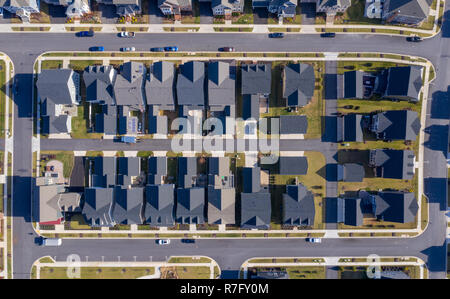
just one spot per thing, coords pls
(171, 49)
(328, 34)
(276, 35)
(97, 49)
(227, 49)
(157, 49)
(187, 241)
(85, 33)
(414, 39)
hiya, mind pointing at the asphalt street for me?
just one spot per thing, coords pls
(23, 49)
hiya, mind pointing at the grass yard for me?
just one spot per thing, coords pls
(188, 259)
(366, 66)
(80, 65)
(97, 273)
(369, 106)
(306, 272)
(193, 18)
(355, 15)
(51, 64)
(76, 222)
(80, 124)
(186, 272)
(246, 17)
(66, 157)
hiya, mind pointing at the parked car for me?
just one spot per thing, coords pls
(414, 39)
(163, 241)
(157, 49)
(51, 242)
(328, 34)
(314, 240)
(89, 33)
(188, 241)
(97, 49)
(171, 49)
(128, 49)
(1, 12)
(127, 34)
(226, 49)
(128, 139)
(276, 35)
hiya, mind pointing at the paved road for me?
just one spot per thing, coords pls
(430, 246)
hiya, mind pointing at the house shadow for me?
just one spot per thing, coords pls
(445, 29)
(438, 138)
(330, 132)
(22, 85)
(437, 258)
(436, 191)
(22, 207)
(229, 274)
(440, 105)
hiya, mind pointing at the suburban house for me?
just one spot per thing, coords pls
(396, 125)
(160, 94)
(255, 200)
(187, 172)
(392, 164)
(400, 83)
(98, 206)
(175, 7)
(256, 79)
(128, 205)
(52, 201)
(293, 126)
(104, 172)
(282, 8)
(250, 106)
(332, 7)
(349, 211)
(75, 8)
(350, 85)
(350, 128)
(157, 170)
(99, 82)
(191, 95)
(190, 205)
(124, 7)
(221, 94)
(59, 93)
(350, 172)
(129, 171)
(159, 205)
(298, 206)
(226, 7)
(129, 95)
(411, 12)
(22, 8)
(221, 191)
(293, 165)
(298, 84)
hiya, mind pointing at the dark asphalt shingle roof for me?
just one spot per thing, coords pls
(251, 179)
(221, 206)
(190, 84)
(353, 85)
(396, 206)
(127, 209)
(129, 85)
(299, 81)
(404, 82)
(255, 210)
(250, 107)
(55, 124)
(349, 128)
(221, 84)
(104, 174)
(293, 165)
(159, 205)
(55, 85)
(99, 82)
(351, 172)
(298, 206)
(408, 8)
(256, 78)
(398, 125)
(160, 85)
(128, 167)
(293, 124)
(393, 164)
(190, 205)
(106, 121)
(187, 170)
(157, 169)
(97, 207)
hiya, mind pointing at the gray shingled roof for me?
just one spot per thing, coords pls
(293, 165)
(159, 205)
(351, 172)
(255, 210)
(251, 179)
(293, 124)
(99, 82)
(256, 78)
(250, 107)
(227, 3)
(97, 207)
(54, 85)
(129, 85)
(190, 84)
(408, 8)
(128, 167)
(104, 174)
(393, 164)
(190, 205)
(331, 5)
(106, 121)
(353, 85)
(396, 206)
(299, 81)
(349, 128)
(157, 169)
(160, 85)
(127, 209)
(352, 211)
(398, 125)
(298, 206)
(404, 82)
(55, 125)
(221, 206)
(187, 170)
(221, 85)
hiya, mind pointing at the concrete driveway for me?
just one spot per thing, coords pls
(108, 14)
(57, 14)
(260, 16)
(155, 14)
(308, 12)
(206, 15)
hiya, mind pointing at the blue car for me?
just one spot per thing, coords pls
(170, 49)
(85, 33)
(157, 49)
(96, 49)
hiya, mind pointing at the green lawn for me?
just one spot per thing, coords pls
(246, 17)
(355, 15)
(307, 272)
(189, 260)
(51, 64)
(80, 65)
(186, 272)
(369, 106)
(97, 273)
(80, 124)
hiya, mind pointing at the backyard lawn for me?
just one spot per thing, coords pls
(186, 272)
(97, 273)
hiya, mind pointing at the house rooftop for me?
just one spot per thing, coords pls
(299, 82)
(159, 205)
(293, 165)
(255, 210)
(298, 206)
(256, 78)
(293, 124)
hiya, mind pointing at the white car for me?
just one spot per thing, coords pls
(314, 240)
(128, 49)
(1, 12)
(163, 241)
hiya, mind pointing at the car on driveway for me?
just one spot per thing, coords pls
(314, 240)
(163, 241)
(157, 49)
(328, 34)
(128, 49)
(97, 49)
(171, 49)
(414, 39)
(227, 49)
(188, 241)
(276, 35)
(85, 33)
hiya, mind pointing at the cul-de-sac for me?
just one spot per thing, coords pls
(224, 139)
